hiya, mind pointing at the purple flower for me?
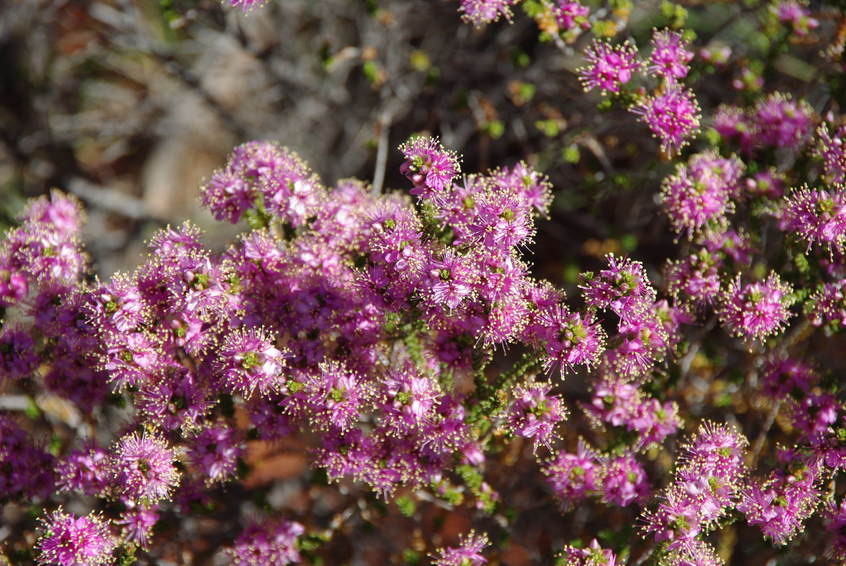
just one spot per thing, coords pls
(780, 504)
(620, 403)
(670, 56)
(18, 356)
(529, 185)
(623, 481)
(831, 148)
(13, 282)
(690, 552)
(26, 471)
(767, 183)
(624, 288)
(756, 310)
(571, 14)
(817, 216)
(827, 305)
(263, 170)
(502, 221)
(574, 476)
(796, 14)
(429, 166)
(467, 553)
(67, 540)
(593, 555)
(143, 469)
(568, 338)
(85, 470)
(783, 122)
(732, 122)
(174, 399)
(63, 213)
(453, 279)
(609, 66)
(672, 116)
(215, 452)
(117, 305)
(272, 542)
(534, 412)
(706, 484)
(641, 341)
(480, 12)
(731, 243)
(787, 376)
(695, 278)
(835, 529)
(137, 525)
(131, 358)
(335, 396)
(231, 192)
(699, 195)
(248, 362)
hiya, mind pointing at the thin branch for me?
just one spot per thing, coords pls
(381, 153)
(762, 436)
(112, 201)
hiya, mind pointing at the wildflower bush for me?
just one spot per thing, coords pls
(684, 408)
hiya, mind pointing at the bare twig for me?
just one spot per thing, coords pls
(762, 436)
(111, 200)
(381, 152)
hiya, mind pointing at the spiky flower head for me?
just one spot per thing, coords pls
(68, 540)
(672, 116)
(429, 166)
(670, 56)
(571, 15)
(467, 553)
(144, 469)
(831, 148)
(699, 195)
(249, 362)
(534, 412)
(592, 555)
(479, 12)
(609, 66)
(817, 216)
(272, 542)
(756, 310)
(622, 287)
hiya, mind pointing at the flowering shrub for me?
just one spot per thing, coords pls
(402, 341)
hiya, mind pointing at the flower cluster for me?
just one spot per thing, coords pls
(817, 216)
(271, 542)
(705, 486)
(609, 66)
(68, 540)
(775, 121)
(375, 334)
(593, 555)
(615, 480)
(467, 553)
(480, 12)
(756, 310)
(700, 194)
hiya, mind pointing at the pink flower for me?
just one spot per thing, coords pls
(480, 12)
(467, 553)
(670, 56)
(429, 166)
(609, 66)
(756, 310)
(672, 115)
(67, 540)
